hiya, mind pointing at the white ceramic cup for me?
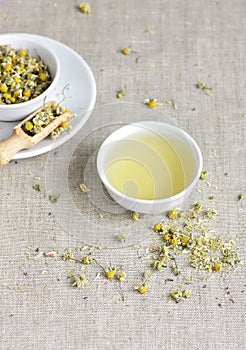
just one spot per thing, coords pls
(187, 152)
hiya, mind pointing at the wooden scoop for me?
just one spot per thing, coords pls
(21, 140)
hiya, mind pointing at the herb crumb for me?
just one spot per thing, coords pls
(135, 216)
(36, 187)
(121, 276)
(149, 30)
(203, 175)
(172, 104)
(84, 188)
(51, 254)
(202, 86)
(241, 197)
(53, 198)
(121, 237)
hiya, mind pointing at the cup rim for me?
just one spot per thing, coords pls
(166, 200)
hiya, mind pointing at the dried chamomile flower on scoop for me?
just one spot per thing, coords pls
(51, 119)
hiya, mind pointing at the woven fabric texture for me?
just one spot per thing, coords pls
(175, 45)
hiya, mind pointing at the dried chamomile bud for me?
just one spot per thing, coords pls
(143, 288)
(110, 272)
(80, 281)
(85, 7)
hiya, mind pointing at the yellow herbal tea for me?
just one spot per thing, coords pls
(148, 166)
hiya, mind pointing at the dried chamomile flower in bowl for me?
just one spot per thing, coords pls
(29, 72)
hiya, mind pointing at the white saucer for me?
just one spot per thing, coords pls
(80, 97)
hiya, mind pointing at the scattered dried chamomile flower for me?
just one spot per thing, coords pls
(176, 271)
(201, 85)
(121, 275)
(121, 93)
(85, 7)
(179, 235)
(110, 272)
(71, 274)
(217, 267)
(121, 237)
(161, 263)
(204, 88)
(186, 293)
(126, 51)
(80, 281)
(158, 227)
(68, 256)
(188, 233)
(211, 213)
(197, 206)
(213, 254)
(147, 275)
(203, 175)
(172, 214)
(87, 260)
(63, 127)
(142, 288)
(152, 102)
(178, 295)
(184, 239)
(135, 216)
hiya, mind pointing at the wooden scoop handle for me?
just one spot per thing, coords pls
(8, 148)
(20, 140)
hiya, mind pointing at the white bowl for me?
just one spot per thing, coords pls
(18, 111)
(170, 157)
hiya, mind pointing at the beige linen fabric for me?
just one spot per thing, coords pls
(191, 41)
